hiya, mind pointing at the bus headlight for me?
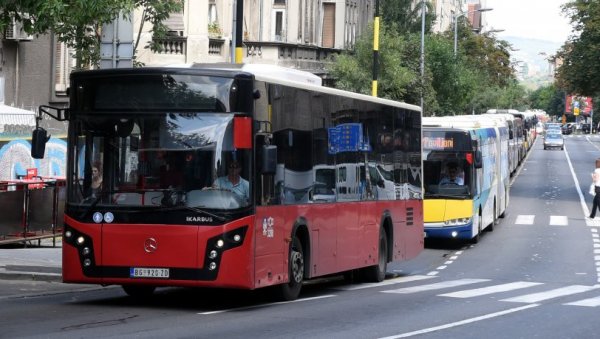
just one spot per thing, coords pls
(80, 240)
(220, 243)
(212, 254)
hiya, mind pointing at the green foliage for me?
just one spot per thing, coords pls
(78, 22)
(479, 77)
(579, 73)
(406, 17)
(155, 12)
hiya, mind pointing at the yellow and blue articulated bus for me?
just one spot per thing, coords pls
(462, 208)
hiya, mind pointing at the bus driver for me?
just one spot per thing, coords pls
(233, 181)
(451, 177)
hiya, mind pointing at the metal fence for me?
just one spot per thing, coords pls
(31, 210)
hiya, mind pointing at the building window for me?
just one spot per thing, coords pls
(328, 25)
(212, 12)
(278, 25)
(278, 2)
(64, 63)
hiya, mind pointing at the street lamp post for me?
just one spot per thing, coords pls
(456, 24)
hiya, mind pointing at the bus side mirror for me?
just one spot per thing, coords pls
(269, 159)
(39, 138)
(478, 162)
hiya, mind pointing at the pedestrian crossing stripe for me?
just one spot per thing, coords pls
(591, 302)
(555, 293)
(436, 286)
(559, 220)
(386, 282)
(525, 219)
(531, 298)
(555, 220)
(491, 289)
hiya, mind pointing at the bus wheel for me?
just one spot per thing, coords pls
(377, 272)
(139, 291)
(291, 289)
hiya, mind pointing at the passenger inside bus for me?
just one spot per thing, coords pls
(452, 177)
(96, 184)
(233, 181)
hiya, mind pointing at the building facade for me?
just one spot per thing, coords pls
(301, 34)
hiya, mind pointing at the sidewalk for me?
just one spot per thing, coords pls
(34, 262)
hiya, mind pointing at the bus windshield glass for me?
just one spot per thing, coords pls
(172, 160)
(448, 164)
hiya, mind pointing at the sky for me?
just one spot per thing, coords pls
(532, 19)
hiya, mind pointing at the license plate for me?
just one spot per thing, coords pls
(141, 272)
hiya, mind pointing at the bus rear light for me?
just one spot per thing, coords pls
(469, 157)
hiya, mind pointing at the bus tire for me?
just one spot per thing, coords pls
(376, 273)
(139, 291)
(291, 289)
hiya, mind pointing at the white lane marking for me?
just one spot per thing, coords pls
(462, 322)
(591, 302)
(490, 289)
(388, 282)
(584, 207)
(525, 219)
(559, 292)
(269, 304)
(436, 286)
(559, 220)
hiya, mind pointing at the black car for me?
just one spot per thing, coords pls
(585, 128)
(566, 128)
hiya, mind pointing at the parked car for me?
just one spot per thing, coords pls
(554, 140)
(585, 128)
(567, 128)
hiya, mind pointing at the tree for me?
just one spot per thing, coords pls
(406, 15)
(78, 23)
(399, 67)
(579, 72)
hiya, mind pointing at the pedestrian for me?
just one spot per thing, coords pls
(595, 189)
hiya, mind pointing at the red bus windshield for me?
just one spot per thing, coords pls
(163, 160)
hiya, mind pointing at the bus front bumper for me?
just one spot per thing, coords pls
(437, 230)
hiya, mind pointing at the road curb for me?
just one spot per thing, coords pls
(34, 276)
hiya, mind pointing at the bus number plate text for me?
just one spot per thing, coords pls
(139, 272)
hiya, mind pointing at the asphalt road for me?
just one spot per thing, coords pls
(536, 275)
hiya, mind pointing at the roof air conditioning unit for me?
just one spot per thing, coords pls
(15, 31)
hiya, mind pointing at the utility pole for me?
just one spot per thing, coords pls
(375, 49)
(239, 24)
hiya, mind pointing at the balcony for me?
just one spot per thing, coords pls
(172, 45)
(305, 57)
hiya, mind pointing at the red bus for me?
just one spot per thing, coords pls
(234, 176)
